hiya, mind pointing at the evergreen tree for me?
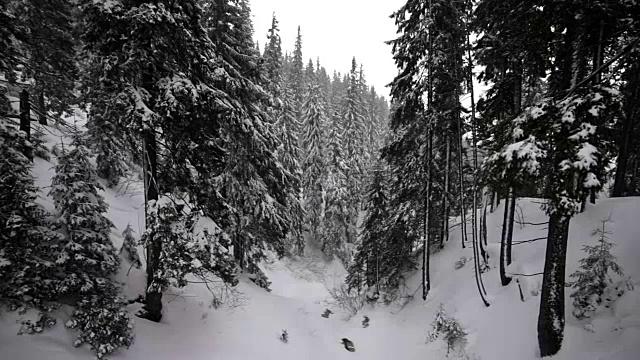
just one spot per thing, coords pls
(314, 161)
(51, 55)
(296, 74)
(87, 253)
(593, 284)
(27, 246)
(177, 100)
(369, 258)
(283, 111)
(86, 257)
(354, 140)
(129, 245)
(273, 60)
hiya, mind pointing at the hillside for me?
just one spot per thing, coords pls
(249, 324)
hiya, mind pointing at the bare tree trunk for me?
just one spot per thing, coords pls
(445, 197)
(426, 280)
(42, 116)
(505, 244)
(551, 315)
(25, 113)
(153, 298)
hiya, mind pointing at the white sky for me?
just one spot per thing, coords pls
(335, 30)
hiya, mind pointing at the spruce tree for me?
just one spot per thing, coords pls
(313, 165)
(87, 253)
(354, 148)
(27, 246)
(86, 257)
(369, 258)
(51, 53)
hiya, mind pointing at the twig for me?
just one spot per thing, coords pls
(528, 241)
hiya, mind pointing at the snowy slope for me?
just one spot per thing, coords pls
(249, 327)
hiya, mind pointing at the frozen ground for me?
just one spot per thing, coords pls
(249, 326)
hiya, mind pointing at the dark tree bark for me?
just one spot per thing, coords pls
(42, 108)
(25, 113)
(153, 298)
(507, 236)
(444, 236)
(426, 278)
(551, 315)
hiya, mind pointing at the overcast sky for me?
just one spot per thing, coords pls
(335, 30)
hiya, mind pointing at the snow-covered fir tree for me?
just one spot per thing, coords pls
(366, 269)
(27, 245)
(87, 253)
(600, 280)
(313, 165)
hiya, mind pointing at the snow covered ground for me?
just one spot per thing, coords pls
(249, 326)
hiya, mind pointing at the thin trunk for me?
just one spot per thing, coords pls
(445, 197)
(463, 210)
(624, 146)
(426, 281)
(504, 244)
(551, 315)
(599, 54)
(494, 196)
(25, 113)
(483, 223)
(512, 211)
(153, 299)
(42, 117)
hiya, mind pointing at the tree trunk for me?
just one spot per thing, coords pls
(551, 315)
(505, 242)
(445, 197)
(25, 113)
(426, 280)
(153, 299)
(42, 116)
(624, 145)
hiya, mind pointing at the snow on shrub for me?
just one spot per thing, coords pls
(449, 329)
(600, 280)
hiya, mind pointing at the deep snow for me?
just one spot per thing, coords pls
(250, 326)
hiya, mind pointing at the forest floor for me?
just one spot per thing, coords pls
(250, 323)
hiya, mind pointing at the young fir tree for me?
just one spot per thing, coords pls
(86, 257)
(594, 285)
(87, 254)
(129, 247)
